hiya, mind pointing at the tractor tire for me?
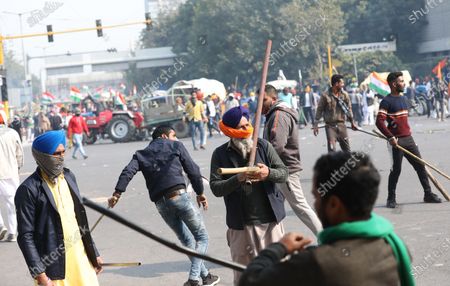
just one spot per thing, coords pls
(121, 128)
(181, 129)
(91, 139)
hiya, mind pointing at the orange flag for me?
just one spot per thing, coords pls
(438, 68)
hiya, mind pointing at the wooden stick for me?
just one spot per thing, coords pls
(437, 184)
(230, 171)
(97, 222)
(251, 161)
(418, 159)
(169, 244)
(124, 264)
(430, 176)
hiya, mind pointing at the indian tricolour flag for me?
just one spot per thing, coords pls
(75, 94)
(47, 97)
(379, 84)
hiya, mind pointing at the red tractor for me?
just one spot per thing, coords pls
(118, 125)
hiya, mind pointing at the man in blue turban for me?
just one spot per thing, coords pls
(53, 231)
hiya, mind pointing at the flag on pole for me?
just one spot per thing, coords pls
(47, 97)
(75, 94)
(379, 84)
(300, 77)
(119, 100)
(437, 70)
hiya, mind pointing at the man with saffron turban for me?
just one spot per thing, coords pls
(53, 231)
(254, 211)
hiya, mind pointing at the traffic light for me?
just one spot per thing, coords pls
(50, 36)
(148, 21)
(98, 23)
(4, 89)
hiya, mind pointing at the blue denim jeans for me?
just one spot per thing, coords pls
(185, 220)
(193, 125)
(78, 144)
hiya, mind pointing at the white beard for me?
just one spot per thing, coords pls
(244, 146)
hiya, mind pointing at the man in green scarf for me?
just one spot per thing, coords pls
(356, 247)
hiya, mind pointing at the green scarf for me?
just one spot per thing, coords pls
(375, 227)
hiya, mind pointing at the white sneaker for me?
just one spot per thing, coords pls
(10, 238)
(3, 233)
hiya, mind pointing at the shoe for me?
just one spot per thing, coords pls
(3, 233)
(10, 238)
(192, 283)
(391, 203)
(210, 279)
(74, 157)
(195, 149)
(85, 157)
(202, 147)
(431, 198)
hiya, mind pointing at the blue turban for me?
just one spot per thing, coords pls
(232, 117)
(49, 141)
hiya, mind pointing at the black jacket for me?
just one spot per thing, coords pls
(162, 164)
(230, 188)
(40, 233)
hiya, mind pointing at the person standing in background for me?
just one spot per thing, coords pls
(11, 160)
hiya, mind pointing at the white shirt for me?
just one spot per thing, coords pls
(211, 108)
(295, 102)
(307, 99)
(11, 153)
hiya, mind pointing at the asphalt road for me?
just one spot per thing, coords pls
(424, 227)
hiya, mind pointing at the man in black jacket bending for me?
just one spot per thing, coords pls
(162, 163)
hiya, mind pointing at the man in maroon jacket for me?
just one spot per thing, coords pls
(394, 111)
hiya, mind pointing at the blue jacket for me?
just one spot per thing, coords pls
(40, 233)
(162, 163)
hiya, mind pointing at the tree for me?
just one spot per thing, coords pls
(323, 25)
(14, 71)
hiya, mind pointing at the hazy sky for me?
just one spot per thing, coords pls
(72, 14)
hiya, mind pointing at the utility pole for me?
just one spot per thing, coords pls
(330, 66)
(24, 60)
(355, 67)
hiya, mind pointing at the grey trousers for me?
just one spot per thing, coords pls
(293, 192)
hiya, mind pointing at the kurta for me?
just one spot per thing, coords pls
(79, 270)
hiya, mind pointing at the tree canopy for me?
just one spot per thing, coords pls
(226, 40)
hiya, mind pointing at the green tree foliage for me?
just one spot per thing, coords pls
(14, 70)
(226, 39)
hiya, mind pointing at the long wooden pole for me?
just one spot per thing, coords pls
(430, 176)
(167, 243)
(418, 159)
(251, 161)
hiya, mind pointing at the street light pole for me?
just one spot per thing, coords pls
(25, 68)
(24, 58)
